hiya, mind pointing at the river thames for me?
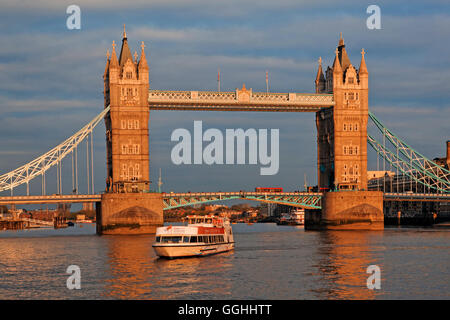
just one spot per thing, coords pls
(269, 262)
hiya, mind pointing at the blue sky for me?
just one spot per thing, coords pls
(51, 77)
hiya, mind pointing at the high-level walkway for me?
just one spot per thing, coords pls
(239, 100)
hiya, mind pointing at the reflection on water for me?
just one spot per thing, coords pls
(269, 262)
(137, 273)
(344, 258)
(128, 266)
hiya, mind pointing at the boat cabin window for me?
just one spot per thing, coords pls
(208, 220)
(186, 239)
(194, 239)
(158, 239)
(170, 239)
(204, 239)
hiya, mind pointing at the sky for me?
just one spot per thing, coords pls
(51, 78)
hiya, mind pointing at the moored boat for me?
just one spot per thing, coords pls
(295, 217)
(202, 236)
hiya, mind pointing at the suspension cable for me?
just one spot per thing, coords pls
(36, 167)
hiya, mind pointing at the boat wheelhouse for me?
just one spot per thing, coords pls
(202, 236)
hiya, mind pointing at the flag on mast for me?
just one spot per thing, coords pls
(218, 79)
(267, 81)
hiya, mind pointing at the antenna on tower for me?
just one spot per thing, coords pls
(306, 184)
(159, 181)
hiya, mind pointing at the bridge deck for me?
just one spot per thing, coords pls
(73, 198)
(435, 197)
(80, 198)
(240, 100)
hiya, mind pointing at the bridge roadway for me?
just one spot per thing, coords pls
(173, 200)
(435, 197)
(239, 100)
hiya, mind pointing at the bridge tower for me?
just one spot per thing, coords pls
(127, 206)
(342, 130)
(342, 145)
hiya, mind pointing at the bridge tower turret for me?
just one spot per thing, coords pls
(342, 130)
(342, 150)
(320, 79)
(127, 207)
(126, 83)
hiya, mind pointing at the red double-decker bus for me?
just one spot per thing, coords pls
(268, 189)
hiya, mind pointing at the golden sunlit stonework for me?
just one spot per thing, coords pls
(126, 85)
(127, 207)
(342, 149)
(342, 129)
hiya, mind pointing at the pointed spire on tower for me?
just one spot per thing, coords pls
(336, 63)
(113, 61)
(125, 52)
(341, 40)
(143, 62)
(362, 66)
(320, 76)
(320, 79)
(343, 57)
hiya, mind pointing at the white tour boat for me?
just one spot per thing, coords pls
(203, 235)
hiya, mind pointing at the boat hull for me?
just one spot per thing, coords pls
(172, 251)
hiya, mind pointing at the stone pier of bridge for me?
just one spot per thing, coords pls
(347, 210)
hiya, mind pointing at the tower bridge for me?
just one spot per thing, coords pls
(340, 102)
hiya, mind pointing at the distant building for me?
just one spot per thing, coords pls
(88, 206)
(268, 209)
(445, 162)
(250, 213)
(379, 174)
(214, 207)
(230, 213)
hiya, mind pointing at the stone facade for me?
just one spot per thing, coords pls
(128, 207)
(342, 150)
(342, 129)
(126, 86)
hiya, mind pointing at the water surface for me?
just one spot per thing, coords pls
(269, 262)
